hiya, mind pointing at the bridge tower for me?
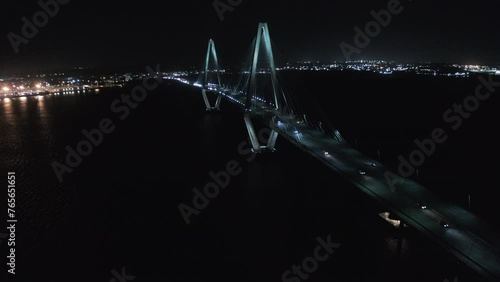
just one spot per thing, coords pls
(206, 84)
(263, 38)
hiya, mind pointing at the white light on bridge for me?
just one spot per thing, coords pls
(393, 222)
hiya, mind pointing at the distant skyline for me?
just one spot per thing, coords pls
(140, 69)
(174, 34)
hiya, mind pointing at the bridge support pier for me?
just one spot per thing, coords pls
(400, 238)
(256, 146)
(207, 102)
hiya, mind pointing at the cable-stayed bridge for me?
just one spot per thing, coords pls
(261, 96)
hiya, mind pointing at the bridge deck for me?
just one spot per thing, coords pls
(469, 238)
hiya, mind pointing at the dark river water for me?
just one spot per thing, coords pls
(120, 206)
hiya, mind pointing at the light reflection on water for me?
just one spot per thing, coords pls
(35, 130)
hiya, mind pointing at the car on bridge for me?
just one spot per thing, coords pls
(422, 206)
(444, 224)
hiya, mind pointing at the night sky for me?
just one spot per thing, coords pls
(105, 34)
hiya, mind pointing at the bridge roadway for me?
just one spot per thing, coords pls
(473, 241)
